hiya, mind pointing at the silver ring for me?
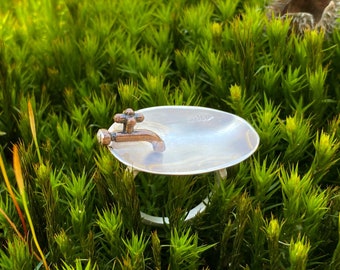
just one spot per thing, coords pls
(160, 221)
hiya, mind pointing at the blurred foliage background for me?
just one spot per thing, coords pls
(67, 66)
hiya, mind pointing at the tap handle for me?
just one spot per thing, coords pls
(129, 119)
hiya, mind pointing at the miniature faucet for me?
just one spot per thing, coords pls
(129, 119)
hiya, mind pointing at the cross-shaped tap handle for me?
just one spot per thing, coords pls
(129, 119)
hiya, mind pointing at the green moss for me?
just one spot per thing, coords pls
(76, 64)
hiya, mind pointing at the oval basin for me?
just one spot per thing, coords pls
(197, 140)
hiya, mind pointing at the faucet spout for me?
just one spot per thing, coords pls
(142, 135)
(129, 119)
(105, 138)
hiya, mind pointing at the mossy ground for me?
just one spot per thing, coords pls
(67, 66)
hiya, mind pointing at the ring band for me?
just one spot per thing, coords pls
(160, 221)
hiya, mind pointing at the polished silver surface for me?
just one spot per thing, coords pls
(197, 140)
